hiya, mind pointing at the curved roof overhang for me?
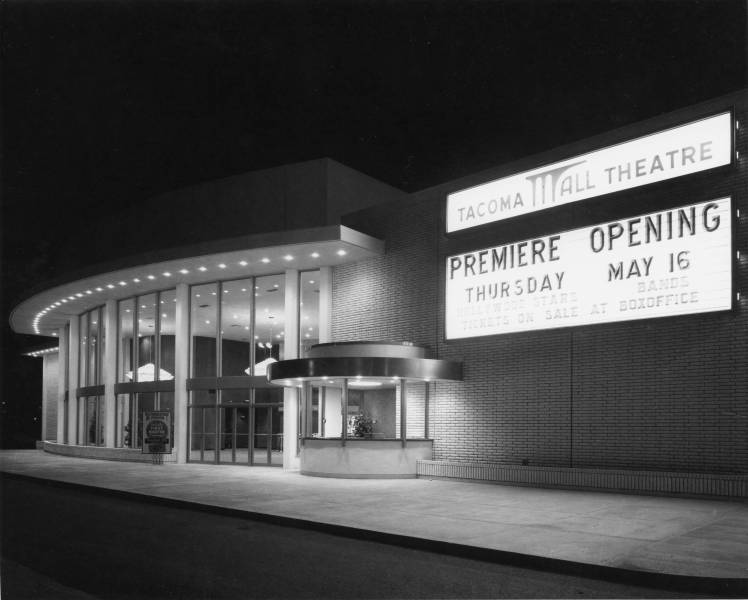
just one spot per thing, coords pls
(47, 310)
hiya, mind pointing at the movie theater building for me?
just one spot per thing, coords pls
(570, 319)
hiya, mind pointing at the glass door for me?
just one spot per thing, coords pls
(234, 435)
(267, 446)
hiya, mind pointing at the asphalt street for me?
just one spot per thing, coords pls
(60, 542)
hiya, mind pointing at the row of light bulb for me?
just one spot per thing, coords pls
(151, 277)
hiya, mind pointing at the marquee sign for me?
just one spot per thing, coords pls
(690, 148)
(667, 263)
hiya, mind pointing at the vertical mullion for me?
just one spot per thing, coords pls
(403, 411)
(157, 348)
(135, 340)
(344, 411)
(269, 436)
(219, 317)
(251, 440)
(252, 342)
(426, 400)
(235, 415)
(322, 407)
(100, 348)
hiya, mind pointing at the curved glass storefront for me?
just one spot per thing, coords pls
(232, 331)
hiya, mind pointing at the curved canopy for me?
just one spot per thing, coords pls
(390, 364)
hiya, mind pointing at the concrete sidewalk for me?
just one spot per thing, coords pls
(600, 532)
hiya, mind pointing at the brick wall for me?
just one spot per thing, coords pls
(667, 394)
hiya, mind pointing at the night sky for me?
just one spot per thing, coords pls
(108, 103)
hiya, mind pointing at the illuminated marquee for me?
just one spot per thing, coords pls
(675, 152)
(673, 262)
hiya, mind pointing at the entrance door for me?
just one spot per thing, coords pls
(268, 435)
(234, 435)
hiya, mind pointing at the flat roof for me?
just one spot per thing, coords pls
(46, 311)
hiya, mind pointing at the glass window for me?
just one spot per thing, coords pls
(126, 349)
(239, 396)
(166, 401)
(83, 349)
(167, 329)
(308, 311)
(92, 432)
(123, 434)
(146, 338)
(94, 347)
(145, 402)
(236, 323)
(204, 313)
(269, 321)
(372, 408)
(81, 440)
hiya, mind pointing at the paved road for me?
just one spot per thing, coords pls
(72, 543)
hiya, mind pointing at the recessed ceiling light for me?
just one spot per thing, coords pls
(110, 286)
(73, 297)
(167, 274)
(265, 260)
(341, 252)
(221, 266)
(136, 280)
(288, 257)
(98, 289)
(79, 295)
(164, 315)
(123, 283)
(89, 292)
(207, 322)
(183, 271)
(314, 255)
(243, 263)
(202, 268)
(151, 277)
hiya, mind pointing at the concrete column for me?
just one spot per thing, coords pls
(181, 371)
(50, 372)
(325, 305)
(73, 351)
(291, 395)
(109, 371)
(62, 376)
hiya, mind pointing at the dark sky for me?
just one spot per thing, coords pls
(111, 102)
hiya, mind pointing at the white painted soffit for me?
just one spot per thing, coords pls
(265, 254)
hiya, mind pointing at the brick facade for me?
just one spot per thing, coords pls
(666, 394)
